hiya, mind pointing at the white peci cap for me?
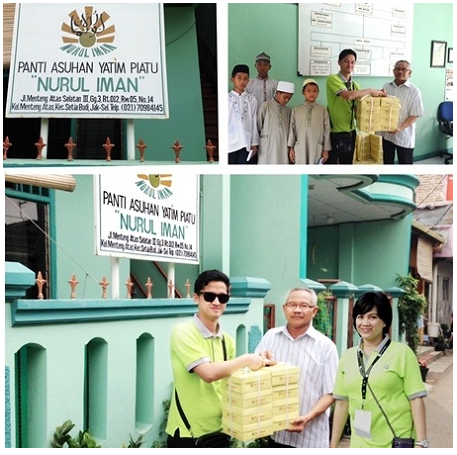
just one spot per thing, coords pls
(309, 81)
(284, 86)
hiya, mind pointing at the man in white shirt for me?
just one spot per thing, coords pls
(299, 343)
(404, 137)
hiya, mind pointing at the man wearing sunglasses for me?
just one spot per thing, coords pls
(299, 343)
(201, 355)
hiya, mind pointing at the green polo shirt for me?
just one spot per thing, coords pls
(339, 109)
(191, 345)
(395, 380)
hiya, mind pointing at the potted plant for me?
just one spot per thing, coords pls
(411, 306)
(322, 321)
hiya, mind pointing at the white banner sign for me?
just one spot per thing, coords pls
(88, 60)
(147, 216)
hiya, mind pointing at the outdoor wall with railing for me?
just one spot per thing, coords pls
(104, 364)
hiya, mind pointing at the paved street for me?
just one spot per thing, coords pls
(439, 407)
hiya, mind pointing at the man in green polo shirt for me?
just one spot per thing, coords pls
(342, 93)
(201, 355)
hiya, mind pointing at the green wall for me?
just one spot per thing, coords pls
(74, 248)
(266, 230)
(184, 94)
(251, 226)
(348, 252)
(273, 28)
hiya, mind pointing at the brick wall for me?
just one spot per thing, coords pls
(431, 190)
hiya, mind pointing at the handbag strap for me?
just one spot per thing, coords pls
(366, 374)
(178, 404)
(183, 416)
(382, 410)
(350, 87)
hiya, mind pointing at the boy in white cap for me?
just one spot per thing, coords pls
(262, 86)
(273, 122)
(309, 132)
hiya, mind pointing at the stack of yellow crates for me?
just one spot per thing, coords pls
(368, 148)
(286, 400)
(247, 411)
(378, 114)
(255, 404)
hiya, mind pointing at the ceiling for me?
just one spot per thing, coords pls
(336, 199)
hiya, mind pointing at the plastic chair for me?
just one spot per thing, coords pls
(445, 124)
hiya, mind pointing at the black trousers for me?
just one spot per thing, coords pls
(405, 155)
(272, 443)
(240, 156)
(176, 441)
(343, 146)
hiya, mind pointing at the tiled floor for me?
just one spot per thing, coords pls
(433, 160)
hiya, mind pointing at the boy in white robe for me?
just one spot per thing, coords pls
(273, 121)
(309, 132)
(243, 137)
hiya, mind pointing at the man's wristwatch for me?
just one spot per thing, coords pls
(423, 443)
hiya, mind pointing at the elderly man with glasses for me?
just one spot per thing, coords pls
(403, 139)
(299, 343)
(201, 355)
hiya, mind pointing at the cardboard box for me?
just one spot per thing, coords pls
(284, 374)
(283, 414)
(391, 101)
(245, 381)
(248, 435)
(285, 391)
(248, 432)
(246, 416)
(287, 411)
(288, 401)
(368, 102)
(247, 400)
(282, 422)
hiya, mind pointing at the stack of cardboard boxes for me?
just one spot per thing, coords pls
(257, 403)
(377, 114)
(374, 114)
(368, 148)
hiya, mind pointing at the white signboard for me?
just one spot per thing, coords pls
(147, 216)
(380, 34)
(88, 60)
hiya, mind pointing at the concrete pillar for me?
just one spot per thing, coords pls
(342, 291)
(396, 293)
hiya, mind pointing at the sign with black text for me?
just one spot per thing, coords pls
(147, 216)
(89, 60)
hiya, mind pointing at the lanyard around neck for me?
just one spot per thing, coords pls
(366, 374)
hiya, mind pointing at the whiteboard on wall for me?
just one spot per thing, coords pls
(380, 34)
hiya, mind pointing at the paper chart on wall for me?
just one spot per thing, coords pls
(380, 34)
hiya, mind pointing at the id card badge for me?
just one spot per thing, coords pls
(362, 423)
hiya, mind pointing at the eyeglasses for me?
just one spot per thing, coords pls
(211, 297)
(301, 306)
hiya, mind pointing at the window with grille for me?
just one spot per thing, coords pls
(27, 231)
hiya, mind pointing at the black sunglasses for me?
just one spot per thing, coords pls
(211, 297)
